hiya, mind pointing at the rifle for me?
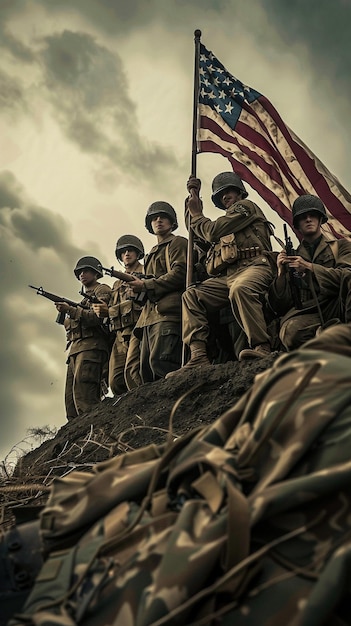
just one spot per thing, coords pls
(140, 298)
(92, 299)
(54, 298)
(294, 278)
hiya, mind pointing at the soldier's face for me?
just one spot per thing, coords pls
(309, 224)
(87, 277)
(129, 256)
(161, 224)
(229, 196)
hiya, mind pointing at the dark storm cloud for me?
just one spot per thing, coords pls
(8, 41)
(323, 27)
(87, 86)
(11, 93)
(121, 16)
(34, 226)
(11, 191)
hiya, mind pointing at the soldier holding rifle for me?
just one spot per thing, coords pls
(159, 325)
(123, 313)
(311, 285)
(88, 340)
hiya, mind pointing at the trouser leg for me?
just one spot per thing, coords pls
(132, 366)
(116, 366)
(71, 411)
(295, 331)
(198, 302)
(87, 379)
(161, 350)
(246, 293)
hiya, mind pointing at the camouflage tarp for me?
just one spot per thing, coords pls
(246, 522)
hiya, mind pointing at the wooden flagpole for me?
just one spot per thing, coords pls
(197, 35)
(190, 252)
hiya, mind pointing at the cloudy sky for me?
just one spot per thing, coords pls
(95, 124)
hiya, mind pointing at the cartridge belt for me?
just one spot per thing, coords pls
(249, 253)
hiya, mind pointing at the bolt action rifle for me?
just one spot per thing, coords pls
(294, 278)
(141, 297)
(54, 298)
(104, 323)
(91, 298)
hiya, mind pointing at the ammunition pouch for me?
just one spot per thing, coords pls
(127, 315)
(249, 253)
(75, 330)
(221, 254)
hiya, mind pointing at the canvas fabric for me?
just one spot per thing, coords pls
(245, 522)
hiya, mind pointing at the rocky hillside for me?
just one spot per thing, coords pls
(139, 418)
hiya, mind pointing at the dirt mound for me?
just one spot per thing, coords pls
(141, 417)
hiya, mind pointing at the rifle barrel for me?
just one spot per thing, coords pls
(128, 278)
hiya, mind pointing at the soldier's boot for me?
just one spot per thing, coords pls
(198, 357)
(258, 352)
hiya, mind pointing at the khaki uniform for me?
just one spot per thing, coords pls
(331, 273)
(244, 282)
(89, 352)
(123, 314)
(159, 325)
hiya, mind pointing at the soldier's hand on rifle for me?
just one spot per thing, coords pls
(299, 264)
(281, 261)
(137, 285)
(101, 310)
(62, 307)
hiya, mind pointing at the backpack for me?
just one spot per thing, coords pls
(245, 522)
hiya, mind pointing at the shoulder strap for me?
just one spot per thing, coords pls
(335, 249)
(168, 262)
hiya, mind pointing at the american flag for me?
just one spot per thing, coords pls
(241, 124)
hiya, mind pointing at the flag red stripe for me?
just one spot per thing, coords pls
(246, 174)
(243, 125)
(267, 194)
(308, 165)
(320, 187)
(257, 140)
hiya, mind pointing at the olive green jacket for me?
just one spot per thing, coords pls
(122, 311)
(84, 329)
(331, 267)
(167, 262)
(244, 218)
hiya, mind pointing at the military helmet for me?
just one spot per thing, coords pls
(125, 242)
(91, 263)
(306, 204)
(223, 181)
(160, 207)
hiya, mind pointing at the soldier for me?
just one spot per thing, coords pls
(88, 340)
(159, 325)
(241, 237)
(123, 312)
(321, 271)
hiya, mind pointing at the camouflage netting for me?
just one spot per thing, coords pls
(244, 521)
